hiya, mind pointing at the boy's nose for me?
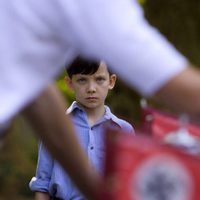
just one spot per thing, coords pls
(91, 87)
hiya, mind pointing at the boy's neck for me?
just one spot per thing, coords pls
(93, 115)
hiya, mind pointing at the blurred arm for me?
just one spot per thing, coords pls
(183, 92)
(47, 115)
(41, 196)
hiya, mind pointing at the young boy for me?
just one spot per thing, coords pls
(90, 83)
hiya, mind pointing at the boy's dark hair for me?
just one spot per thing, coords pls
(82, 66)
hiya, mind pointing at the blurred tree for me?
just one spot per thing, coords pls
(18, 160)
(179, 20)
(67, 92)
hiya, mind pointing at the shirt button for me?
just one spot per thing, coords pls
(91, 148)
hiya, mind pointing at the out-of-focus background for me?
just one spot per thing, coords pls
(179, 20)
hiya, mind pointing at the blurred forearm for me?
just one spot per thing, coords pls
(42, 196)
(47, 115)
(182, 93)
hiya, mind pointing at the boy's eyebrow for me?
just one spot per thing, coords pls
(81, 75)
(101, 74)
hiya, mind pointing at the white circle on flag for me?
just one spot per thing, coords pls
(161, 178)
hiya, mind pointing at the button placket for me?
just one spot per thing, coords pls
(91, 139)
(91, 146)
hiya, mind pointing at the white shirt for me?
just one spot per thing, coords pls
(39, 37)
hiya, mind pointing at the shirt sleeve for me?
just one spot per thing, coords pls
(32, 51)
(137, 52)
(39, 37)
(127, 127)
(131, 130)
(42, 179)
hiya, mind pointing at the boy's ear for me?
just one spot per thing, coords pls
(68, 82)
(113, 79)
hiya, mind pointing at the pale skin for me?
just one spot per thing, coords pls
(90, 92)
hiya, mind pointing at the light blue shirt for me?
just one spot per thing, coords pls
(51, 177)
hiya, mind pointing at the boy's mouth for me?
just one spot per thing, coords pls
(91, 98)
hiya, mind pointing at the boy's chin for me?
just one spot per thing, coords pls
(91, 105)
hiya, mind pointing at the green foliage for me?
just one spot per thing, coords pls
(67, 92)
(142, 1)
(18, 160)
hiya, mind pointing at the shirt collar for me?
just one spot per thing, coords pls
(107, 116)
(73, 106)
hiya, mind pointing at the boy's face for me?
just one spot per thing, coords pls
(91, 90)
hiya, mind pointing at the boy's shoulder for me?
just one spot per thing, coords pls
(124, 125)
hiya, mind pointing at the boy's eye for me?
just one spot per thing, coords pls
(100, 79)
(81, 80)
